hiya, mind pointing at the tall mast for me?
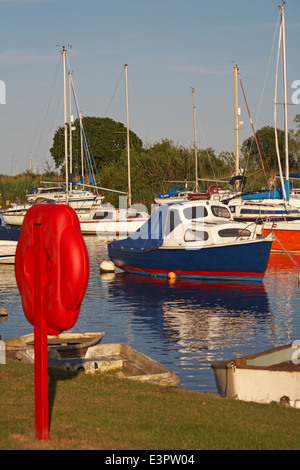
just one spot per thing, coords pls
(70, 127)
(64, 52)
(81, 143)
(195, 141)
(128, 143)
(285, 104)
(236, 120)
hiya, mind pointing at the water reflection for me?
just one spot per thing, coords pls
(193, 321)
(190, 305)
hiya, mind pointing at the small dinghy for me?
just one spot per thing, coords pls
(84, 352)
(65, 345)
(271, 376)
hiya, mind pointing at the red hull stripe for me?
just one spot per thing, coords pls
(191, 273)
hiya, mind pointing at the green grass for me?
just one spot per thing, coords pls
(106, 412)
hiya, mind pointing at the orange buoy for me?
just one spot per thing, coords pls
(171, 275)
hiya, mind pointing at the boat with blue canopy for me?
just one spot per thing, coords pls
(195, 239)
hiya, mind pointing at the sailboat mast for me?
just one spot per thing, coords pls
(128, 143)
(70, 126)
(195, 141)
(81, 145)
(64, 52)
(236, 120)
(285, 104)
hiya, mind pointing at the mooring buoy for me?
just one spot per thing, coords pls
(107, 266)
(3, 312)
(171, 275)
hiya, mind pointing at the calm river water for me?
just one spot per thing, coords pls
(184, 325)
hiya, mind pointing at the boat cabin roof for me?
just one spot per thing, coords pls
(185, 224)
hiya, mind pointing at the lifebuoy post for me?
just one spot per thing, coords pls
(50, 250)
(40, 341)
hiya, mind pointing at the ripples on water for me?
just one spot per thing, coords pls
(183, 325)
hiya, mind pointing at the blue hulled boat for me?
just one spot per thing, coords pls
(197, 239)
(9, 236)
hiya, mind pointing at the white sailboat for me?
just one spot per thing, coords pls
(272, 206)
(80, 199)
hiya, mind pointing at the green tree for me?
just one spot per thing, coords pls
(105, 137)
(266, 142)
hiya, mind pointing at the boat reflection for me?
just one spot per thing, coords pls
(195, 310)
(191, 324)
(283, 263)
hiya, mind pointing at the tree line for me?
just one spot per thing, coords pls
(155, 167)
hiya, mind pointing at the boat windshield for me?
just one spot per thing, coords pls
(220, 211)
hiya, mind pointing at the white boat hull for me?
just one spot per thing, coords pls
(7, 251)
(269, 377)
(13, 219)
(124, 227)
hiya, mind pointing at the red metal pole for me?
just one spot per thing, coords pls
(40, 340)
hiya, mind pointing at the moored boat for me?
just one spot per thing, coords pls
(265, 377)
(194, 239)
(9, 236)
(78, 199)
(287, 235)
(175, 195)
(106, 220)
(281, 204)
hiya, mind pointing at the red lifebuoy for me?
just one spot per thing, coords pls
(65, 265)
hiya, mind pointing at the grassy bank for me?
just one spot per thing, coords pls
(105, 412)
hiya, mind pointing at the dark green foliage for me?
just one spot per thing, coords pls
(266, 140)
(160, 166)
(106, 138)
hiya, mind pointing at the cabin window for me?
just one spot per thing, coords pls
(173, 220)
(103, 215)
(195, 235)
(195, 212)
(234, 232)
(133, 215)
(220, 211)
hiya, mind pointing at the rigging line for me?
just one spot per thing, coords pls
(222, 105)
(267, 72)
(206, 150)
(251, 122)
(132, 85)
(266, 76)
(81, 130)
(91, 151)
(47, 109)
(84, 136)
(114, 92)
(77, 109)
(286, 252)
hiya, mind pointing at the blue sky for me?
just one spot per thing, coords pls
(170, 46)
